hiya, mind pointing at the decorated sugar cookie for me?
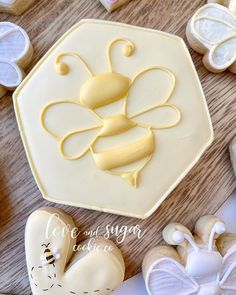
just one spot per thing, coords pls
(113, 4)
(15, 54)
(16, 7)
(110, 124)
(202, 264)
(212, 32)
(57, 266)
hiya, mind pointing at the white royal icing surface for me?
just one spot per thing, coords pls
(14, 46)
(214, 26)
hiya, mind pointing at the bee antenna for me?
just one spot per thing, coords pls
(128, 49)
(218, 229)
(179, 237)
(63, 69)
(45, 245)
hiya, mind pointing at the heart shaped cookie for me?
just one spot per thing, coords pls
(202, 264)
(54, 268)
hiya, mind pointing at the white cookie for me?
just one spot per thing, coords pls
(113, 4)
(211, 32)
(16, 7)
(16, 52)
(56, 269)
(203, 263)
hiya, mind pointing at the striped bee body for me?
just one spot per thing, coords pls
(49, 257)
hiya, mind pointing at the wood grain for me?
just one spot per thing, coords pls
(204, 189)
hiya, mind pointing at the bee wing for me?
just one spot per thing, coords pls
(14, 42)
(10, 74)
(223, 55)
(153, 108)
(227, 277)
(167, 276)
(56, 253)
(212, 24)
(72, 125)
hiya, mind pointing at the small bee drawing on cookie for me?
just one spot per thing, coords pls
(129, 155)
(49, 256)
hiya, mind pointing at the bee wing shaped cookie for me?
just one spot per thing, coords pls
(15, 53)
(167, 272)
(212, 32)
(10, 74)
(94, 269)
(73, 142)
(158, 99)
(227, 277)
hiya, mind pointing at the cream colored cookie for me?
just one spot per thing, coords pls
(211, 32)
(16, 53)
(16, 7)
(100, 132)
(113, 4)
(203, 263)
(57, 266)
(228, 3)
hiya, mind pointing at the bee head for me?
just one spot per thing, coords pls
(202, 260)
(103, 89)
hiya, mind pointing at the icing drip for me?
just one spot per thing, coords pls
(104, 89)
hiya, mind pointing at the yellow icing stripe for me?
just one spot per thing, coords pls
(125, 155)
(115, 125)
(128, 49)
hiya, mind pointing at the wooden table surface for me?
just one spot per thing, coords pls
(204, 189)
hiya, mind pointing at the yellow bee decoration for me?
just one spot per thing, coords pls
(104, 89)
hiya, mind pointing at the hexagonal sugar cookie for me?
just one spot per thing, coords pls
(113, 118)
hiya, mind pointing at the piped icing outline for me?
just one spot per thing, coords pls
(92, 96)
(198, 265)
(19, 63)
(206, 47)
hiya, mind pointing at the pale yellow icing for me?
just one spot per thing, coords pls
(176, 150)
(102, 90)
